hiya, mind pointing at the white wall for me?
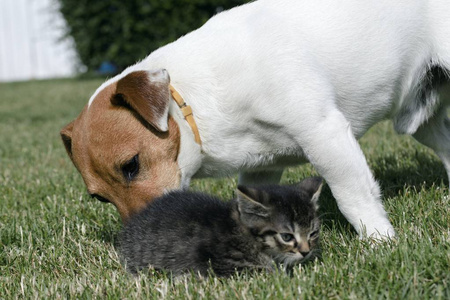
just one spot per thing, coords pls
(30, 41)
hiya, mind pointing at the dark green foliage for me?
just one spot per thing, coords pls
(123, 32)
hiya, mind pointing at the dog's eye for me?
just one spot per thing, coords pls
(131, 168)
(287, 237)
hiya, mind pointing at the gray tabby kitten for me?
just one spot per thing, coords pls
(263, 227)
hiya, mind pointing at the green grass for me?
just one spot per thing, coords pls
(56, 242)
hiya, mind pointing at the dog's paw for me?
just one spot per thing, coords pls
(383, 233)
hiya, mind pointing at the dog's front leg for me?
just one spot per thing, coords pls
(335, 153)
(260, 177)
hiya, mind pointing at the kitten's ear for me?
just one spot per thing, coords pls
(312, 187)
(250, 209)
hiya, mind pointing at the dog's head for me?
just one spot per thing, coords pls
(125, 144)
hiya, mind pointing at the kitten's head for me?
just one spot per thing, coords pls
(283, 218)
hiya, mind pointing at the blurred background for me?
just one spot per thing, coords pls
(65, 38)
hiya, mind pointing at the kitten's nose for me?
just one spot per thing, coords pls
(304, 254)
(303, 248)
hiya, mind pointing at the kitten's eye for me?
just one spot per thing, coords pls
(269, 232)
(314, 234)
(131, 168)
(287, 237)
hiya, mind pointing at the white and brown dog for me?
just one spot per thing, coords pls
(271, 84)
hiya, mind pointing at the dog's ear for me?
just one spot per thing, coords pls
(66, 136)
(147, 93)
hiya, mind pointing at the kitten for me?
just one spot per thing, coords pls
(186, 231)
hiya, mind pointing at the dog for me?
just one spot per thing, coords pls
(266, 85)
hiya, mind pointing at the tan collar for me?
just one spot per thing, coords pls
(187, 113)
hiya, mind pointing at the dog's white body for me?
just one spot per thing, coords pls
(279, 82)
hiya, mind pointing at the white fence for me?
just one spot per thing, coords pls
(31, 44)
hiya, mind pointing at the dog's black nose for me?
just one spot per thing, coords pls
(100, 198)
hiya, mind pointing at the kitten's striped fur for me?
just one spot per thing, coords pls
(262, 227)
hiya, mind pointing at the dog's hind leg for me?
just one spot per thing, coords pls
(259, 177)
(435, 133)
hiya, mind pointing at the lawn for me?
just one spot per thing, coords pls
(57, 242)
